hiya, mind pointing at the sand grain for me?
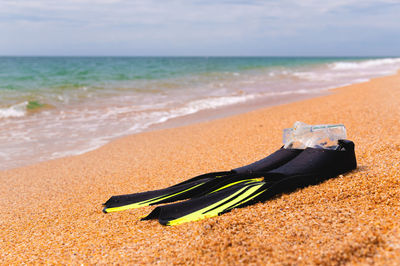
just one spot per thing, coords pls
(51, 212)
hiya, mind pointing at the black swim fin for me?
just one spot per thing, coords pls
(310, 167)
(202, 184)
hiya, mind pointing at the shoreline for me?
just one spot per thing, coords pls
(205, 115)
(213, 114)
(52, 209)
(77, 125)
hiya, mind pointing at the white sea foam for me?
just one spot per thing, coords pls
(291, 92)
(365, 64)
(347, 72)
(156, 117)
(313, 76)
(212, 103)
(145, 120)
(16, 110)
(92, 145)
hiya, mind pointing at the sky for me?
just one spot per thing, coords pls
(200, 28)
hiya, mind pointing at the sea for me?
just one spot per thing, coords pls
(52, 107)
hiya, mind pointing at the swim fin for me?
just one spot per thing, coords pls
(202, 184)
(310, 167)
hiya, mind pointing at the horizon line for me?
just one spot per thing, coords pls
(202, 56)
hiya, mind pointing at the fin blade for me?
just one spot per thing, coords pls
(218, 207)
(131, 204)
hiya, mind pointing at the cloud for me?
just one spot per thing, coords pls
(189, 26)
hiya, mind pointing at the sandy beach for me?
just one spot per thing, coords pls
(51, 212)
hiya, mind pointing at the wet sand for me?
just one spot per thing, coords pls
(51, 212)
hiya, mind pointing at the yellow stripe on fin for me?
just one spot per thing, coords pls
(209, 211)
(238, 182)
(146, 202)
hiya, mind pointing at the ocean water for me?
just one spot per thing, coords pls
(57, 106)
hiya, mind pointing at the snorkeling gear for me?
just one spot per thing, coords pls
(311, 166)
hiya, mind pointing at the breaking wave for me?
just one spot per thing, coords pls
(21, 109)
(16, 110)
(365, 64)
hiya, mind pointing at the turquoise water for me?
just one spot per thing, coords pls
(44, 78)
(56, 106)
(33, 73)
